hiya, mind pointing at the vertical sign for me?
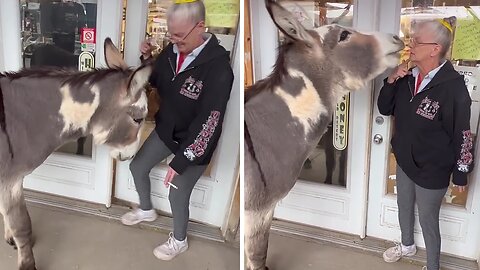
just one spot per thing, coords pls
(340, 123)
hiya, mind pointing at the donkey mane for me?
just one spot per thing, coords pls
(69, 76)
(277, 75)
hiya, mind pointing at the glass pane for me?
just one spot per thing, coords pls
(51, 36)
(465, 60)
(328, 161)
(222, 19)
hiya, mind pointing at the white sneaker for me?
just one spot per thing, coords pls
(138, 215)
(171, 248)
(424, 268)
(395, 253)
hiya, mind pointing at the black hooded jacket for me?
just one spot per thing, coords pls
(193, 103)
(432, 137)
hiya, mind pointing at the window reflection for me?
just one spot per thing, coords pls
(51, 36)
(429, 9)
(328, 162)
(222, 19)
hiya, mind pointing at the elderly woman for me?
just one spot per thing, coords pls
(194, 79)
(432, 138)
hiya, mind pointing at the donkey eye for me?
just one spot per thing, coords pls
(344, 35)
(138, 120)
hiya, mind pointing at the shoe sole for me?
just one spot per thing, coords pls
(392, 260)
(167, 258)
(138, 221)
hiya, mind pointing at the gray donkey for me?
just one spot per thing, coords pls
(41, 109)
(287, 113)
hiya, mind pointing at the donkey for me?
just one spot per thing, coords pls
(41, 109)
(287, 113)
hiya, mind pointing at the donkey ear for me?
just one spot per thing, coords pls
(286, 22)
(113, 58)
(138, 79)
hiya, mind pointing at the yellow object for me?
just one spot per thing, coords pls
(222, 13)
(467, 35)
(184, 1)
(446, 24)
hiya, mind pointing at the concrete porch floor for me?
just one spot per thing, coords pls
(65, 240)
(290, 253)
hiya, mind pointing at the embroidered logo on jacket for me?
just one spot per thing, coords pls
(191, 88)
(198, 147)
(428, 108)
(466, 156)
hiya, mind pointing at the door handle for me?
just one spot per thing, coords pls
(377, 138)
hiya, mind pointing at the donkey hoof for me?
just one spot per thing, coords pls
(27, 268)
(11, 242)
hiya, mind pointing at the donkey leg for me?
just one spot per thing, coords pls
(257, 230)
(5, 191)
(329, 162)
(18, 221)
(9, 235)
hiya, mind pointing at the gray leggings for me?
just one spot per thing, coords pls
(429, 202)
(150, 154)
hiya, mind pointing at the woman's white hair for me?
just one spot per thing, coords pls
(194, 11)
(443, 35)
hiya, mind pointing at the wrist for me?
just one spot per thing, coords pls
(391, 80)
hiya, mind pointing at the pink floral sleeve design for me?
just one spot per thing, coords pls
(198, 147)
(466, 156)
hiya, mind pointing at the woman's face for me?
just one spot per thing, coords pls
(423, 45)
(185, 34)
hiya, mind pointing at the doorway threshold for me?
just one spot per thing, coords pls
(369, 245)
(114, 213)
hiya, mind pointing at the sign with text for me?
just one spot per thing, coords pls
(86, 61)
(472, 80)
(340, 123)
(467, 38)
(222, 13)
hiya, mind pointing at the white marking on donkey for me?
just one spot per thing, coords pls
(41, 109)
(76, 115)
(306, 106)
(287, 113)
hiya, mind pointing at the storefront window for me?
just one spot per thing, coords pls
(328, 162)
(222, 17)
(55, 33)
(464, 55)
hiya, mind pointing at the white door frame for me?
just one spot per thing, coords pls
(212, 196)
(458, 226)
(78, 177)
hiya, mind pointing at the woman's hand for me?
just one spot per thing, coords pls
(171, 173)
(146, 49)
(460, 188)
(399, 72)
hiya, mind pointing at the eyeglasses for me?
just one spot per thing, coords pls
(173, 38)
(413, 43)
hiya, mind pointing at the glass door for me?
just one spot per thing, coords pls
(58, 33)
(213, 193)
(458, 218)
(331, 190)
